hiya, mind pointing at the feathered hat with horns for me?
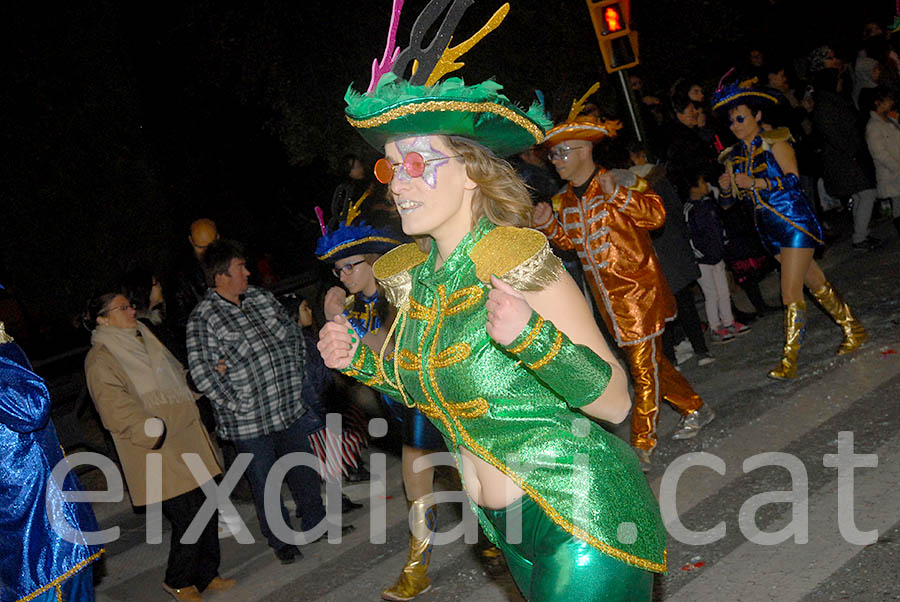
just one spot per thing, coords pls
(393, 107)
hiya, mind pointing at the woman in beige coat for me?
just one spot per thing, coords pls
(883, 140)
(144, 401)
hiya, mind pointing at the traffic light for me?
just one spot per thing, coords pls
(613, 19)
(610, 18)
(618, 44)
(620, 53)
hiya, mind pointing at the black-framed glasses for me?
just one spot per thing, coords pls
(347, 268)
(738, 119)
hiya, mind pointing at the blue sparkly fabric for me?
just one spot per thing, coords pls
(784, 218)
(366, 320)
(35, 557)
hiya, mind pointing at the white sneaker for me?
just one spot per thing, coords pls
(691, 424)
(683, 352)
(684, 345)
(704, 359)
(229, 525)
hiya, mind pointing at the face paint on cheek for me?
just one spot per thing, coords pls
(422, 145)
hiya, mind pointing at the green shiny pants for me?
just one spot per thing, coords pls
(551, 565)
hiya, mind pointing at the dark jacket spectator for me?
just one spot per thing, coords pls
(846, 164)
(707, 231)
(671, 241)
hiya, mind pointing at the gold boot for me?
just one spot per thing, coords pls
(414, 578)
(854, 333)
(794, 333)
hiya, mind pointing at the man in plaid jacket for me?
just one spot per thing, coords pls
(247, 355)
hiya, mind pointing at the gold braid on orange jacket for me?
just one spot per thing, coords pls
(611, 236)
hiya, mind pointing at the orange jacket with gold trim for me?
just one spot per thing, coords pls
(611, 236)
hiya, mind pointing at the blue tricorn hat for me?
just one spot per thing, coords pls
(356, 239)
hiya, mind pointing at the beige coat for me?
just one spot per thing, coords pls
(883, 139)
(123, 414)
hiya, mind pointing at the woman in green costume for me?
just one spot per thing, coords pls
(494, 342)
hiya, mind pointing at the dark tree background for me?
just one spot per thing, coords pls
(122, 122)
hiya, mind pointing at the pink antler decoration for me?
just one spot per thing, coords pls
(390, 50)
(718, 145)
(321, 217)
(727, 73)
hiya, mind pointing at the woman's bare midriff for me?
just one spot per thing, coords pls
(486, 485)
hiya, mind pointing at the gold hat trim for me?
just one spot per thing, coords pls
(734, 97)
(433, 106)
(359, 241)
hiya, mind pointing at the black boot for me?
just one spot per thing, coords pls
(358, 474)
(741, 316)
(751, 288)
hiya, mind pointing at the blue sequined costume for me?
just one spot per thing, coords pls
(364, 320)
(37, 562)
(783, 216)
(417, 431)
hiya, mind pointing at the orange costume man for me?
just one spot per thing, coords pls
(606, 217)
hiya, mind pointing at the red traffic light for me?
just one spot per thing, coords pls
(612, 19)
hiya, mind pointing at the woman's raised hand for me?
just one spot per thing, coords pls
(337, 343)
(508, 312)
(334, 302)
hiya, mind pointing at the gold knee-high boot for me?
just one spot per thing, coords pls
(854, 333)
(794, 333)
(414, 578)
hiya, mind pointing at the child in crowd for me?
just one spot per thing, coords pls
(701, 212)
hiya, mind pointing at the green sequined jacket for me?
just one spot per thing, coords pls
(482, 397)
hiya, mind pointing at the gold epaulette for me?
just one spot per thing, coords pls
(521, 257)
(770, 137)
(392, 271)
(640, 184)
(4, 338)
(725, 155)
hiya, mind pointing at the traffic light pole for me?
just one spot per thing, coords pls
(629, 101)
(634, 112)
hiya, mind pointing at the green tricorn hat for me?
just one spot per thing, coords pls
(394, 107)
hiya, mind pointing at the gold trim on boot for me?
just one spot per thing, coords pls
(854, 332)
(794, 333)
(414, 579)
